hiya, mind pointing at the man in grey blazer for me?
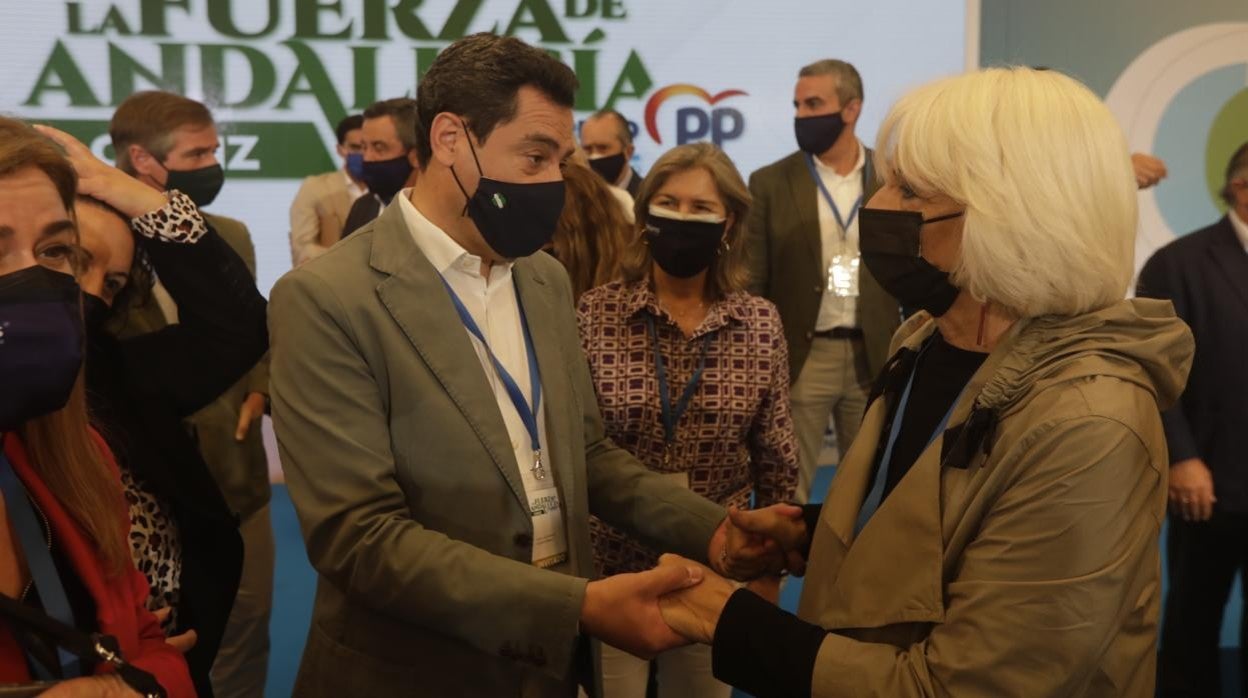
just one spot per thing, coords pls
(439, 428)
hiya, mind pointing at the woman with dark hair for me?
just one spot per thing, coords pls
(183, 536)
(62, 522)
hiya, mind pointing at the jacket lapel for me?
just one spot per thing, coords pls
(802, 189)
(1231, 259)
(417, 300)
(536, 296)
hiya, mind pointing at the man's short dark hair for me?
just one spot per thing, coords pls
(1237, 168)
(347, 125)
(623, 132)
(478, 77)
(402, 110)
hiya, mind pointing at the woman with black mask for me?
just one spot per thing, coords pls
(183, 537)
(62, 525)
(692, 376)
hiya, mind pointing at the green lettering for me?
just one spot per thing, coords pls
(310, 78)
(308, 19)
(634, 81)
(614, 9)
(585, 65)
(572, 10)
(537, 14)
(456, 26)
(364, 58)
(212, 59)
(375, 19)
(221, 17)
(61, 74)
(153, 15)
(124, 70)
(425, 56)
(115, 21)
(407, 20)
(73, 12)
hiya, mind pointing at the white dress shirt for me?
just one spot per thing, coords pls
(1241, 228)
(494, 306)
(354, 190)
(835, 311)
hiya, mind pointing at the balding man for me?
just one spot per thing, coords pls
(608, 141)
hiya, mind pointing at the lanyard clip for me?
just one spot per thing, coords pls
(539, 470)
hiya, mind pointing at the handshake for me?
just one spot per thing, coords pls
(680, 601)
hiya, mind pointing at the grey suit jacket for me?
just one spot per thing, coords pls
(785, 257)
(407, 489)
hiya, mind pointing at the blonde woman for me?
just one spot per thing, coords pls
(993, 530)
(691, 374)
(592, 231)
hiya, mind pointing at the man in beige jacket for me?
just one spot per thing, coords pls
(320, 209)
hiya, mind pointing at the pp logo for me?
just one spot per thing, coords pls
(696, 123)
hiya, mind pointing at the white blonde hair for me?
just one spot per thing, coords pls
(1044, 173)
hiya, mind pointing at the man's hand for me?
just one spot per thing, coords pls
(1191, 489)
(101, 181)
(104, 686)
(182, 643)
(750, 544)
(694, 612)
(1148, 170)
(251, 410)
(623, 611)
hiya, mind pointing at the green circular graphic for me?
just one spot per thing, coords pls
(1229, 131)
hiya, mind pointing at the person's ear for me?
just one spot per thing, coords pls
(628, 154)
(144, 163)
(342, 151)
(852, 111)
(413, 159)
(446, 135)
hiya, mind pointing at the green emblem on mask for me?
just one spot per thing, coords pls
(499, 201)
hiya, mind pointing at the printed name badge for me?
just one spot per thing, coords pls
(550, 539)
(843, 272)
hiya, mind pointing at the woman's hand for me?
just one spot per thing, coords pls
(182, 643)
(106, 686)
(101, 181)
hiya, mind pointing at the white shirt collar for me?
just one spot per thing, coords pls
(827, 171)
(1241, 228)
(628, 176)
(438, 247)
(355, 189)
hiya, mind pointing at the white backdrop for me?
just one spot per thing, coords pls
(71, 62)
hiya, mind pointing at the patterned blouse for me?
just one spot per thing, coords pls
(735, 438)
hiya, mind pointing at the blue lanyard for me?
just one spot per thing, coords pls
(528, 414)
(672, 413)
(827, 196)
(876, 496)
(43, 572)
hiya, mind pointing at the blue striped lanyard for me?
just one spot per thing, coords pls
(827, 196)
(672, 413)
(528, 414)
(43, 572)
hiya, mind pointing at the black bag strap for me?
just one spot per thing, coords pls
(94, 647)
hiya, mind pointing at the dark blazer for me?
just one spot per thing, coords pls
(362, 212)
(785, 258)
(1205, 274)
(634, 183)
(140, 389)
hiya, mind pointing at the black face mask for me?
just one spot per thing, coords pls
(94, 313)
(609, 168)
(385, 178)
(816, 134)
(515, 219)
(202, 185)
(681, 246)
(890, 246)
(41, 344)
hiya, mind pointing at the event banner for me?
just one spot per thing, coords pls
(279, 74)
(1175, 75)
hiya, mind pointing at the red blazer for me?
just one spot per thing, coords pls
(120, 601)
